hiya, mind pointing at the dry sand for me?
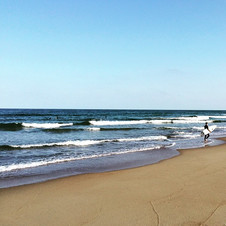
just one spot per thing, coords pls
(189, 189)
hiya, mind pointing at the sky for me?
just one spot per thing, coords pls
(118, 54)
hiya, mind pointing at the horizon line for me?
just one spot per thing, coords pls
(110, 109)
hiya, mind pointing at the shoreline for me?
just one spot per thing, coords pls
(42, 145)
(188, 189)
(98, 165)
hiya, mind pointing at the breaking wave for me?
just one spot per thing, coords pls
(186, 136)
(10, 126)
(80, 142)
(110, 123)
(179, 120)
(46, 125)
(93, 129)
(48, 162)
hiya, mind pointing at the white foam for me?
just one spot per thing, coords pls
(158, 121)
(188, 136)
(191, 121)
(198, 128)
(43, 163)
(110, 123)
(188, 119)
(66, 143)
(45, 125)
(132, 122)
(219, 116)
(181, 133)
(93, 129)
(88, 142)
(171, 145)
(143, 138)
(199, 119)
(181, 120)
(221, 127)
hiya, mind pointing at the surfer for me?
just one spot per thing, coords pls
(207, 135)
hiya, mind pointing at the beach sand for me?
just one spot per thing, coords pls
(189, 189)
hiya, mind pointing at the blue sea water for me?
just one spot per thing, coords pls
(40, 144)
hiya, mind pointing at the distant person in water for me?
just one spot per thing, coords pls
(207, 135)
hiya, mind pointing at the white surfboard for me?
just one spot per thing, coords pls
(211, 128)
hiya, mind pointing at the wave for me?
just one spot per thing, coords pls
(45, 125)
(198, 128)
(132, 122)
(80, 143)
(157, 121)
(161, 121)
(66, 143)
(192, 118)
(48, 162)
(221, 127)
(165, 128)
(181, 120)
(171, 145)
(142, 138)
(186, 121)
(111, 123)
(190, 136)
(218, 116)
(93, 129)
(10, 126)
(6, 147)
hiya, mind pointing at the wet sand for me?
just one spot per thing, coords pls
(189, 189)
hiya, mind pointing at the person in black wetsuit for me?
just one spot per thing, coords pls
(207, 135)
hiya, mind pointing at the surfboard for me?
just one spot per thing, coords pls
(211, 128)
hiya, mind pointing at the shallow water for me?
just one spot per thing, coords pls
(37, 145)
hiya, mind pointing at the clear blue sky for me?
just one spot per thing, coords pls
(113, 54)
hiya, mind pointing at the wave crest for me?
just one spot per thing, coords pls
(111, 123)
(46, 125)
(48, 162)
(80, 142)
(10, 126)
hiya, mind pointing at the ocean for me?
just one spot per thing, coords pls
(40, 144)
